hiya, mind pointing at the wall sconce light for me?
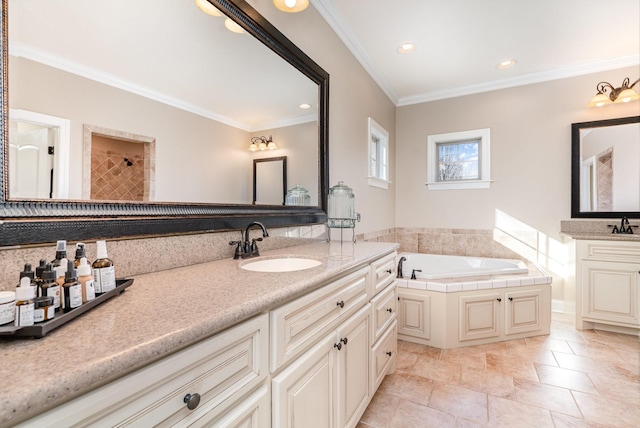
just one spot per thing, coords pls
(207, 8)
(262, 143)
(623, 94)
(291, 6)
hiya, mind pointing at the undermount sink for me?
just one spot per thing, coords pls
(280, 264)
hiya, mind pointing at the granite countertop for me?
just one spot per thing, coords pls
(159, 314)
(599, 230)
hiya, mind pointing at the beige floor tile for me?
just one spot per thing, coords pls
(566, 421)
(583, 364)
(618, 389)
(380, 411)
(546, 396)
(594, 350)
(625, 371)
(476, 359)
(436, 370)
(606, 411)
(512, 365)
(549, 343)
(489, 382)
(410, 415)
(507, 413)
(405, 360)
(534, 354)
(459, 401)
(466, 423)
(423, 350)
(564, 378)
(407, 386)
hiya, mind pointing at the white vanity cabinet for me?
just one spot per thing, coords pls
(225, 373)
(608, 281)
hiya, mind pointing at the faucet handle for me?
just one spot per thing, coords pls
(239, 251)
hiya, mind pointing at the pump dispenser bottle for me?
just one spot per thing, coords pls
(86, 280)
(72, 289)
(61, 253)
(61, 270)
(25, 293)
(38, 279)
(49, 286)
(104, 275)
(80, 253)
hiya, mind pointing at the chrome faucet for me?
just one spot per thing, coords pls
(402, 260)
(246, 248)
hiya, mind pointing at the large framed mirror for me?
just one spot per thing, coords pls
(183, 92)
(605, 168)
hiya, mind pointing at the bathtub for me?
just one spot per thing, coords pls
(434, 266)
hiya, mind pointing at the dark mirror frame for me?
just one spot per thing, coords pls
(283, 159)
(576, 163)
(33, 222)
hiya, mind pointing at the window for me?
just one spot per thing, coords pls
(378, 155)
(458, 160)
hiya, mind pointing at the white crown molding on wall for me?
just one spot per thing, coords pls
(335, 20)
(28, 52)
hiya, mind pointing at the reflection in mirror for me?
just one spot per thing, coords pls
(201, 107)
(606, 168)
(270, 180)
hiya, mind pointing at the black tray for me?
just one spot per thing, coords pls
(41, 329)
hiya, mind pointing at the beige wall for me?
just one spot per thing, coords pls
(354, 97)
(530, 153)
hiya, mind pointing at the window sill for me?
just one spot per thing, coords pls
(451, 185)
(378, 182)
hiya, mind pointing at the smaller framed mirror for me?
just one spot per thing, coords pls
(605, 168)
(270, 180)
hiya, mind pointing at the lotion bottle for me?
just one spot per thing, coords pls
(61, 254)
(104, 275)
(72, 289)
(86, 280)
(80, 253)
(61, 272)
(25, 293)
(49, 286)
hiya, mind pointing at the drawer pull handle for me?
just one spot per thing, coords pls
(345, 340)
(340, 303)
(192, 401)
(499, 299)
(338, 345)
(389, 353)
(511, 299)
(390, 310)
(389, 271)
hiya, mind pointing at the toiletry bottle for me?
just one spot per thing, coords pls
(61, 272)
(7, 307)
(43, 309)
(28, 273)
(38, 279)
(72, 289)
(80, 253)
(104, 275)
(61, 253)
(49, 286)
(86, 280)
(25, 293)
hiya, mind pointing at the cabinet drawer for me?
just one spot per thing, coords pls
(220, 369)
(384, 308)
(383, 273)
(299, 324)
(383, 355)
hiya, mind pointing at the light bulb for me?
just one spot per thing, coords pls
(290, 3)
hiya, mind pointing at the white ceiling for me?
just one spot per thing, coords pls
(459, 43)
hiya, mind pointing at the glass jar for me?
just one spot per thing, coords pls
(341, 206)
(298, 195)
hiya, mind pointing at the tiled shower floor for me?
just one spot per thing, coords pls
(570, 378)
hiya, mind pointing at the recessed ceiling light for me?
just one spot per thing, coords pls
(305, 106)
(406, 48)
(506, 64)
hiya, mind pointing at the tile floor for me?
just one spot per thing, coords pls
(570, 378)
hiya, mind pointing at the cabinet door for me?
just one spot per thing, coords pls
(303, 394)
(383, 355)
(414, 314)
(610, 292)
(352, 368)
(523, 311)
(383, 308)
(479, 316)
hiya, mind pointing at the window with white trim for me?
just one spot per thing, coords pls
(378, 175)
(459, 160)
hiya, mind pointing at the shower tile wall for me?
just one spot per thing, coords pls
(113, 178)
